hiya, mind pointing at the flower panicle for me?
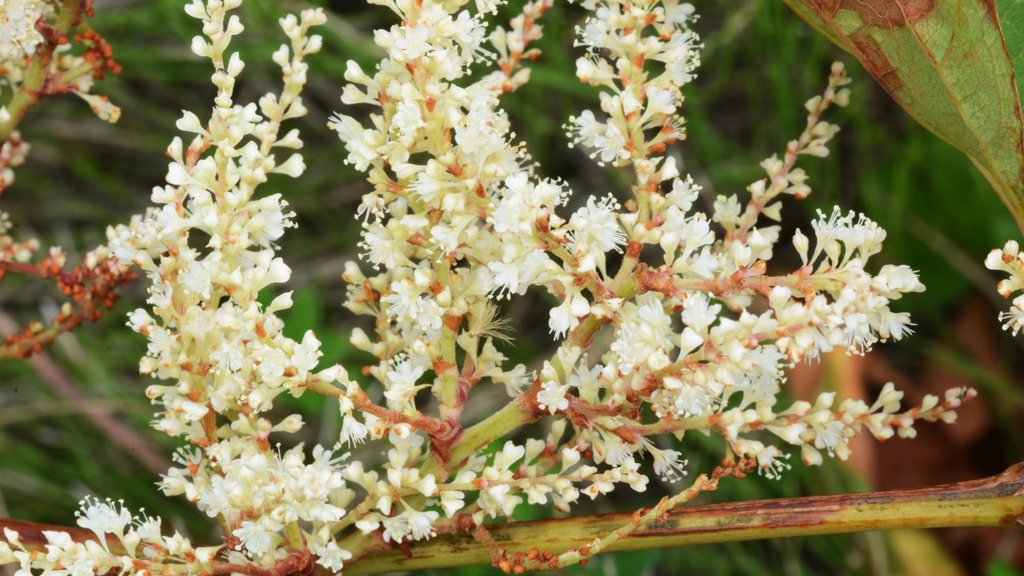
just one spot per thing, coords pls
(460, 223)
(457, 221)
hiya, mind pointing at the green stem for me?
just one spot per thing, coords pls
(517, 413)
(451, 408)
(498, 425)
(448, 375)
(629, 264)
(294, 537)
(991, 501)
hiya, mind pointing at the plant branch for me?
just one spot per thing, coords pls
(92, 290)
(360, 400)
(30, 534)
(994, 501)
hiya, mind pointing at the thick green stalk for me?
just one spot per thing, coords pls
(448, 371)
(498, 425)
(993, 501)
(293, 535)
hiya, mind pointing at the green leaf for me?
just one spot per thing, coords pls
(947, 64)
(1001, 568)
(1011, 16)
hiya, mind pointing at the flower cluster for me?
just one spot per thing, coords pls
(18, 34)
(209, 250)
(37, 60)
(1010, 261)
(455, 223)
(142, 542)
(91, 286)
(225, 352)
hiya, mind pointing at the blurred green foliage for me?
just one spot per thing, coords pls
(1001, 568)
(760, 64)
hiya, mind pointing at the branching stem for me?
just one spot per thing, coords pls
(994, 501)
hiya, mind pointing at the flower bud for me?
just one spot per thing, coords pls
(360, 340)
(147, 365)
(689, 340)
(579, 305)
(533, 448)
(200, 47)
(290, 424)
(570, 456)
(206, 554)
(293, 167)
(282, 302)
(234, 27)
(832, 249)
(810, 456)
(131, 542)
(843, 452)
(816, 148)
(801, 244)
(314, 44)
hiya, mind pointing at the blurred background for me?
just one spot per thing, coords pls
(760, 63)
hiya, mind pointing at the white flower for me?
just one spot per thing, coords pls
(228, 357)
(256, 538)
(18, 32)
(407, 121)
(103, 518)
(552, 397)
(170, 223)
(828, 435)
(307, 355)
(667, 464)
(397, 527)
(611, 144)
(645, 329)
(596, 232)
(420, 523)
(587, 129)
(352, 431)
(332, 557)
(692, 401)
(683, 194)
(561, 319)
(515, 380)
(401, 380)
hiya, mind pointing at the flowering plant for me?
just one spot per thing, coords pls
(456, 222)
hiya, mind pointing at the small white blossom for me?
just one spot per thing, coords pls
(552, 397)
